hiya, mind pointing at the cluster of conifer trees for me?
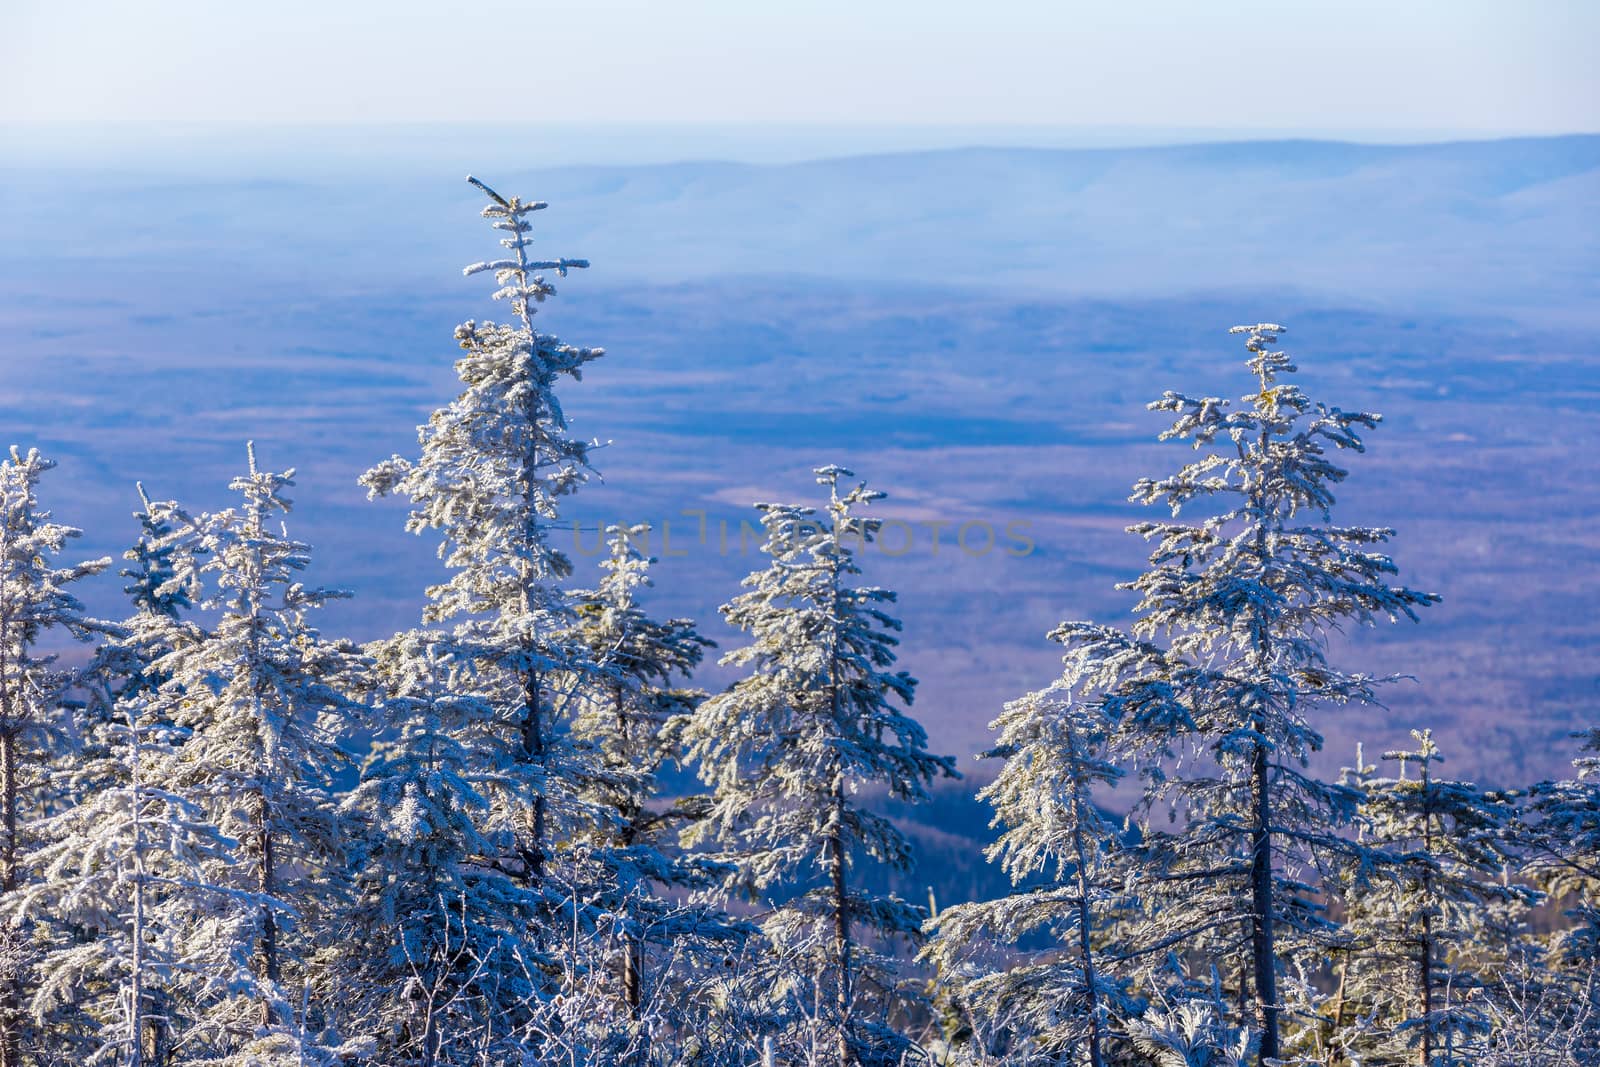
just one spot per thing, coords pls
(188, 875)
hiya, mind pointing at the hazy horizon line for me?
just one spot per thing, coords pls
(40, 144)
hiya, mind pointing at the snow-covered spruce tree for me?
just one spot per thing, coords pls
(120, 670)
(788, 748)
(1066, 856)
(441, 975)
(120, 875)
(122, 667)
(117, 838)
(263, 700)
(634, 712)
(35, 602)
(495, 466)
(1423, 908)
(1242, 597)
(1561, 840)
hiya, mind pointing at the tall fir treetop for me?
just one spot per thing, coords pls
(263, 700)
(34, 592)
(494, 467)
(34, 599)
(1267, 571)
(238, 546)
(497, 460)
(1266, 363)
(517, 284)
(808, 622)
(150, 587)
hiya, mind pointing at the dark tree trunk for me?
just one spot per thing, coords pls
(1085, 916)
(1338, 1004)
(533, 753)
(1261, 923)
(632, 966)
(1425, 966)
(160, 1042)
(1096, 1038)
(267, 947)
(1425, 955)
(10, 990)
(841, 929)
(633, 947)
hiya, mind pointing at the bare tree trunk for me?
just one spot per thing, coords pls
(1261, 919)
(267, 947)
(632, 965)
(11, 998)
(1242, 993)
(533, 752)
(1261, 924)
(1425, 971)
(1096, 1038)
(1338, 1003)
(160, 1048)
(632, 945)
(836, 857)
(533, 740)
(1085, 916)
(1425, 957)
(841, 927)
(136, 980)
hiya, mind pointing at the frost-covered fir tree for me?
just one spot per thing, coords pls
(1561, 840)
(1422, 909)
(1067, 857)
(441, 975)
(121, 668)
(264, 702)
(121, 859)
(120, 875)
(35, 603)
(789, 749)
(1246, 580)
(495, 466)
(635, 711)
(1564, 847)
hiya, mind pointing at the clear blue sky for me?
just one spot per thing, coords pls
(1447, 65)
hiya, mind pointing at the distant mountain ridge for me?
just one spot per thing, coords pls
(1509, 223)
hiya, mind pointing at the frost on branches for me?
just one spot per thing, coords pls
(1424, 911)
(635, 712)
(520, 834)
(264, 704)
(1070, 861)
(35, 601)
(494, 468)
(1217, 683)
(495, 465)
(787, 751)
(1244, 595)
(444, 972)
(126, 857)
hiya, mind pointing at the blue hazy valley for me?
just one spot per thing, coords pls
(974, 330)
